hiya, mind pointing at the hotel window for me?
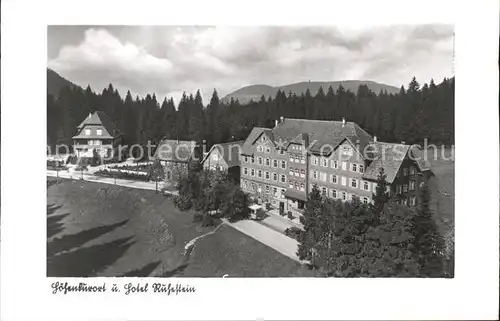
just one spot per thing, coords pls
(290, 172)
(275, 177)
(291, 159)
(245, 184)
(361, 169)
(259, 173)
(334, 179)
(281, 152)
(344, 180)
(268, 149)
(323, 191)
(303, 159)
(344, 166)
(302, 188)
(283, 178)
(253, 172)
(275, 163)
(275, 192)
(91, 142)
(405, 171)
(283, 193)
(354, 183)
(344, 196)
(296, 186)
(263, 138)
(245, 171)
(259, 160)
(215, 156)
(404, 201)
(366, 186)
(324, 162)
(99, 132)
(260, 148)
(315, 175)
(87, 132)
(405, 188)
(322, 176)
(302, 173)
(268, 162)
(412, 185)
(245, 159)
(267, 189)
(354, 167)
(252, 160)
(283, 164)
(268, 175)
(334, 164)
(334, 193)
(413, 200)
(314, 160)
(297, 172)
(297, 158)
(259, 189)
(290, 184)
(399, 189)
(412, 170)
(365, 200)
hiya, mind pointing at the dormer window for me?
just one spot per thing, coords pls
(263, 138)
(99, 132)
(87, 132)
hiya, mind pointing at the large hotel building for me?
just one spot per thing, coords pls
(280, 165)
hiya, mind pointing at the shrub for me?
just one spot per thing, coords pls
(208, 220)
(124, 175)
(182, 202)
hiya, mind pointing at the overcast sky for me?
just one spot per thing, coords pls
(170, 60)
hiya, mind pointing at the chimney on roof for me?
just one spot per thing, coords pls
(374, 139)
(276, 123)
(343, 121)
(305, 140)
(90, 115)
(403, 142)
(281, 119)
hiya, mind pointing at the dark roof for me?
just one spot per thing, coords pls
(230, 151)
(420, 159)
(175, 150)
(290, 193)
(389, 156)
(324, 135)
(98, 118)
(246, 148)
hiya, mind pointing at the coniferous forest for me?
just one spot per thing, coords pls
(415, 113)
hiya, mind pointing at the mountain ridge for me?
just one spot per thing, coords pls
(56, 82)
(255, 92)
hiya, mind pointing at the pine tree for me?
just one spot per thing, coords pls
(380, 197)
(311, 220)
(429, 244)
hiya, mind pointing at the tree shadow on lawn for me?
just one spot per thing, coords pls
(174, 272)
(54, 224)
(51, 208)
(87, 261)
(68, 242)
(144, 271)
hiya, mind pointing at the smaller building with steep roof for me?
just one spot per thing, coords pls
(97, 133)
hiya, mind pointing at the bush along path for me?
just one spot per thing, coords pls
(190, 245)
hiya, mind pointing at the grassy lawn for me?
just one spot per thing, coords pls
(98, 229)
(443, 191)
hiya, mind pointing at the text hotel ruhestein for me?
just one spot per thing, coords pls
(128, 288)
